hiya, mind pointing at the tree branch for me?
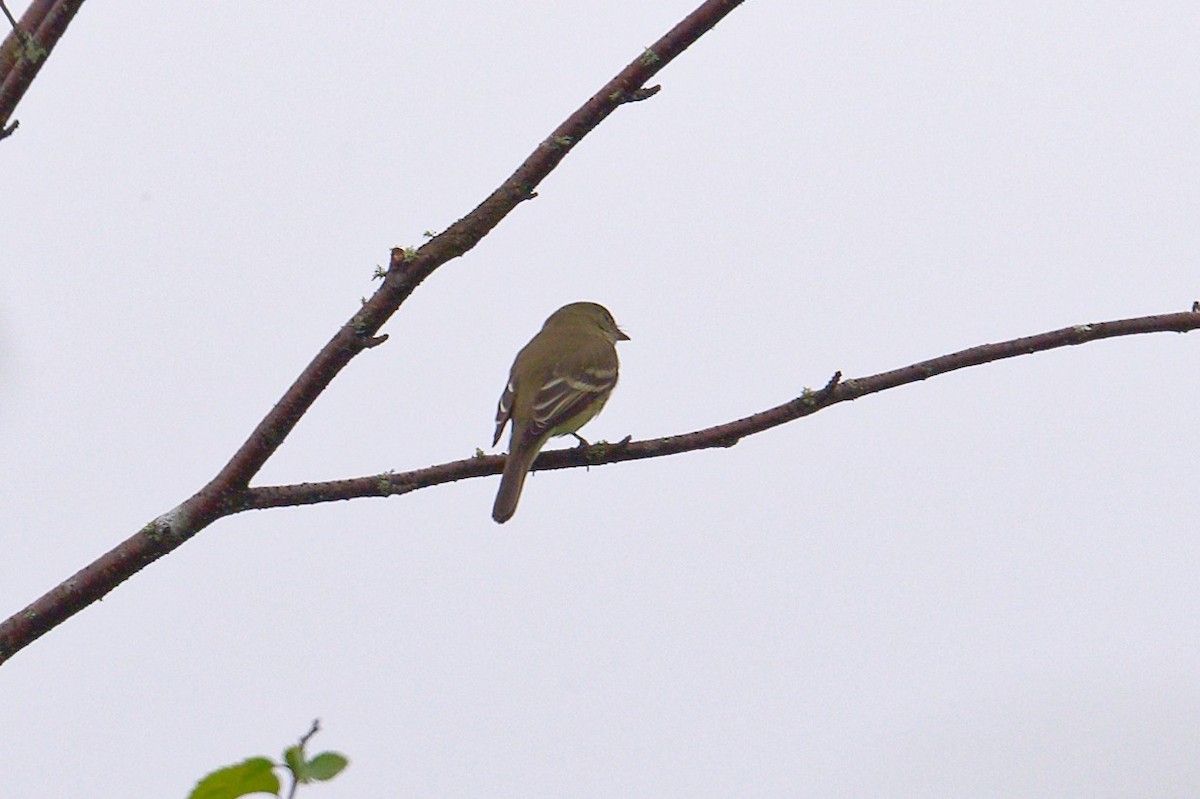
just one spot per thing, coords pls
(225, 493)
(26, 48)
(724, 435)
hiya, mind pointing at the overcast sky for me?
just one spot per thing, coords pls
(980, 585)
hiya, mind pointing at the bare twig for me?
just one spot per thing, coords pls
(8, 14)
(313, 730)
(724, 435)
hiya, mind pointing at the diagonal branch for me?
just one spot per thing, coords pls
(724, 435)
(25, 49)
(225, 493)
(407, 271)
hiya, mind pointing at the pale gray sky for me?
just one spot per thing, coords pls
(982, 585)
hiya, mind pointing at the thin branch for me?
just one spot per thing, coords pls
(724, 435)
(8, 15)
(224, 494)
(313, 730)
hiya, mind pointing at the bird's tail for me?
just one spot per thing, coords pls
(512, 481)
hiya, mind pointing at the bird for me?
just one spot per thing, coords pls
(558, 382)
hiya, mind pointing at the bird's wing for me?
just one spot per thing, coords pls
(504, 408)
(570, 391)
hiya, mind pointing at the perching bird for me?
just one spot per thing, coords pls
(559, 381)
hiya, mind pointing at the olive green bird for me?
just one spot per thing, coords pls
(559, 381)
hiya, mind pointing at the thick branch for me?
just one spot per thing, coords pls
(725, 435)
(225, 494)
(26, 49)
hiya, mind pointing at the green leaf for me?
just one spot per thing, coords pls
(325, 766)
(254, 775)
(293, 756)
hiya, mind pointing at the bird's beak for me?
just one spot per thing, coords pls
(621, 335)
